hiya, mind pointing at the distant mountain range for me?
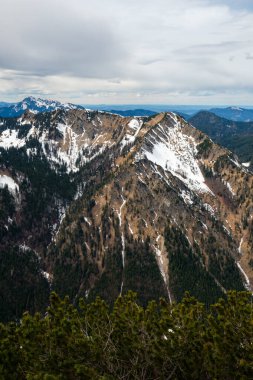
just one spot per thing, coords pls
(230, 113)
(234, 113)
(35, 105)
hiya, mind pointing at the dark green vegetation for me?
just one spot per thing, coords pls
(22, 284)
(235, 135)
(187, 269)
(161, 341)
(42, 188)
(142, 274)
(39, 173)
(7, 209)
(26, 217)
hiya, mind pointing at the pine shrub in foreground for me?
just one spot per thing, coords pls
(162, 341)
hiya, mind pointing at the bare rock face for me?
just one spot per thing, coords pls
(148, 204)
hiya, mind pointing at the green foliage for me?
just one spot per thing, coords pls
(162, 341)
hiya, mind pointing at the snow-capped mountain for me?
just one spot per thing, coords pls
(63, 138)
(103, 204)
(35, 105)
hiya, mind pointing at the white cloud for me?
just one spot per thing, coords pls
(163, 51)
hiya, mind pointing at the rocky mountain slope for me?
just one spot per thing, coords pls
(99, 204)
(34, 105)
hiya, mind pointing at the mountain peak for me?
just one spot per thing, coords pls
(35, 105)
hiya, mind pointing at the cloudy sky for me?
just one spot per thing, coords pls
(128, 51)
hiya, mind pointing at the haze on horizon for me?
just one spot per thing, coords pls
(114, 52)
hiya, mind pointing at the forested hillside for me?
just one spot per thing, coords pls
(237, 136)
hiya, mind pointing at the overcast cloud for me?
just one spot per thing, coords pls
(142, 51)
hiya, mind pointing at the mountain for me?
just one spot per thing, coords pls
(35, 105)
(97, 204)
(236, 136)
(234, 113)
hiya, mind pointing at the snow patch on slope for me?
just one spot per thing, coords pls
(235, 162)
(134, 125)
(9, 139)
(69, 156)
(246, 278)
(247, 281)
(72, 148)
(8, 181)
(227, 184)
(186, 197)
(209, 209)
(168, 147)
(122, 238)
(160, 263)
